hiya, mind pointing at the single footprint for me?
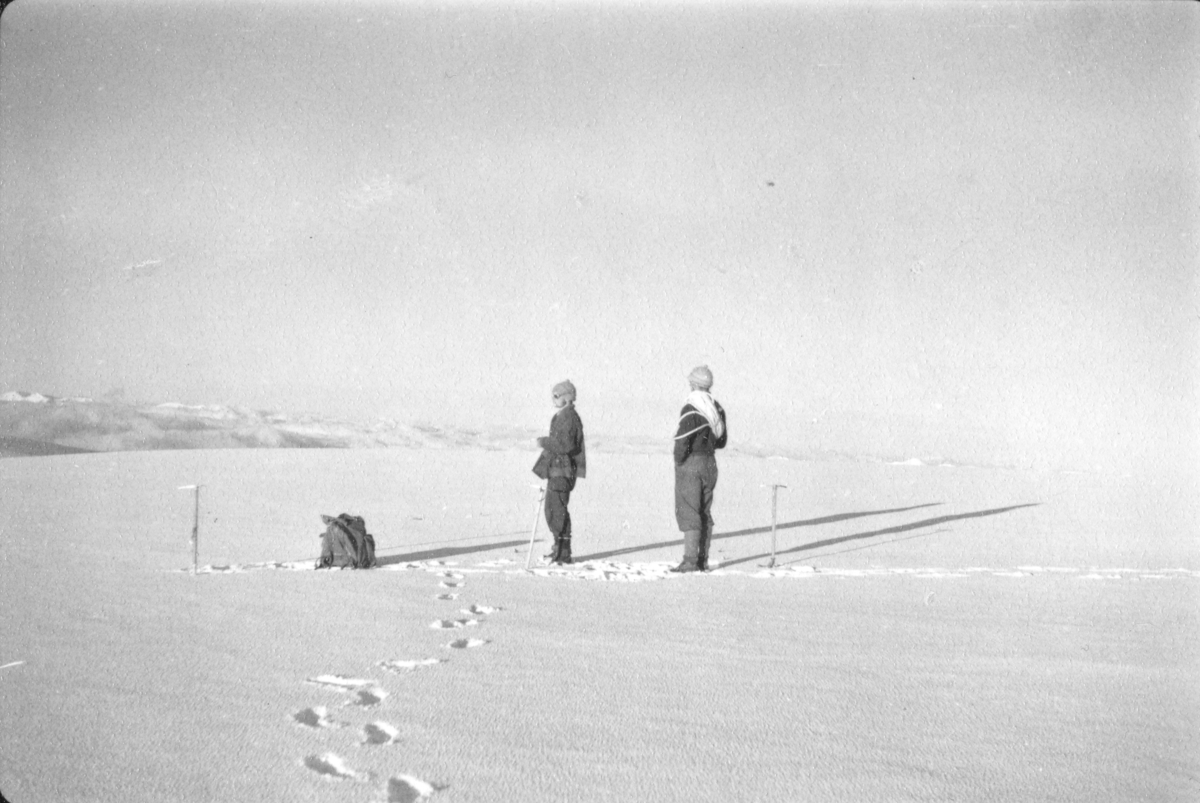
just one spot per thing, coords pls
(316, 717)
(446, 596)
(368, 698)
(465, 643)
(380, 733)
(448, 624)
(332, 767)
(399, 667)
(339, 682)
(480, 609)
(407, 789)
(449, 584)
(450, 575)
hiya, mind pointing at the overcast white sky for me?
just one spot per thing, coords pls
(966, 230)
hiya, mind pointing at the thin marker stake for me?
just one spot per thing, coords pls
(774, 506)
(195, 528)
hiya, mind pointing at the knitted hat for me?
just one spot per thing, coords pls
(565, 388)
(701, 377)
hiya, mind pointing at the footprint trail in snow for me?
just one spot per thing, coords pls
(467, 643)
(379, 733)
(449, 624)
(316, 717)
(367, 693)
(368, 698)
(407, 789)
(480, 610)
(400, 667)
(339, 682)
(332, 767)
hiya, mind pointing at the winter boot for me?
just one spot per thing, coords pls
(691, 552)
(552, 557)
(564, 551)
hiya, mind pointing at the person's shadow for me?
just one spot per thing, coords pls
(440, 553)
(444, 552)
(754, 531)
(900, 528)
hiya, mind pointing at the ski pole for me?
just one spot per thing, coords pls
(195, 527)
(536, 517)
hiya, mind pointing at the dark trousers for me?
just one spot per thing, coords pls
(558, 518)
(695, 481)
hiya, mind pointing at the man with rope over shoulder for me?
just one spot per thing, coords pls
(700, 433)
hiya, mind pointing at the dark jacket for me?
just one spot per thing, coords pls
(701, 442)
(563, 453)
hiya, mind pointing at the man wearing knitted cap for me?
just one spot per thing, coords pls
(700, 433)
(563, 459)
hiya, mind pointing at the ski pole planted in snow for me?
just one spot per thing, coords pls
(537, 511)
(195, 527)
(774, 507)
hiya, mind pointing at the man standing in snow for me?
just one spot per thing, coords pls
(701, 432)
(563, 459)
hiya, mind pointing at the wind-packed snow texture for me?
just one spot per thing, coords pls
(924, 634)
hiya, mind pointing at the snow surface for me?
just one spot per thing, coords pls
(923, 634)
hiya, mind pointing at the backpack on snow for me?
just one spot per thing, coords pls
(346, 543)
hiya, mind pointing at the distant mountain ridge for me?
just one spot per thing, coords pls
(33, 424)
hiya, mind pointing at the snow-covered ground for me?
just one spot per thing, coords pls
(926, 633)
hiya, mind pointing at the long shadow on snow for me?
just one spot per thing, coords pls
(445, 552)
(902, 528)
(755, 530)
